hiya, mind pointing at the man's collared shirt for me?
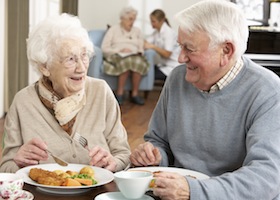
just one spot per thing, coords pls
(226, 79)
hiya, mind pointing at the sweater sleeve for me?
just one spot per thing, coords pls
(258, 178)
(107, 42)
(12, 139)
(140, 41)
(115, 132)
(157, 131)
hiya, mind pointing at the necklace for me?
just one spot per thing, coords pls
(127, 34)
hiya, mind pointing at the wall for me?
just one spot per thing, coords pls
(97, 14)
(2, 28)
(38, 11)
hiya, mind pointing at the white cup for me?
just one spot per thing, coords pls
(11, 186)
(133, 184)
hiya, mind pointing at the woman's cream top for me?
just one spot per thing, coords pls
(116, 39)
(99, 121)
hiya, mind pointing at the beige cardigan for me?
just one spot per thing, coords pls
(116, 38)
(99, 121)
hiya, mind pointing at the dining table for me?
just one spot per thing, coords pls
(88, 195)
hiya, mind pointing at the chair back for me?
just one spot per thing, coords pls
(96, 36)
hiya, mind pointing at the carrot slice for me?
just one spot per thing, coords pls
(71, 182)
(152, 183)
(84, 181)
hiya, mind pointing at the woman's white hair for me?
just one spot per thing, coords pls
(125, 12)
(44, 40)
(223, 21)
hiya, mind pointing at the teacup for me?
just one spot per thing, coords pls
(133, 184)
(11, 186)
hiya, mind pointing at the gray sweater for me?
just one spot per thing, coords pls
(232, 135)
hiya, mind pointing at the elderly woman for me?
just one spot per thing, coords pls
(64, 102)
(123, 47)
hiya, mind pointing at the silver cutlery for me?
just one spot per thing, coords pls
(127, 167)
(82, 140)
(57, 160)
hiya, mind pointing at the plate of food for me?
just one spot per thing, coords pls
(183, 172)
(71, 179)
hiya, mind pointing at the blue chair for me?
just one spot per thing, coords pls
(96, 65)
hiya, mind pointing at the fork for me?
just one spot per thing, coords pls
(82, 140)
(57, 160)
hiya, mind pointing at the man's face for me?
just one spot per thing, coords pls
(203, 65)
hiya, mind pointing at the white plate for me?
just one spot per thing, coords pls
(184, 172)
(102, 176)
(118, 196)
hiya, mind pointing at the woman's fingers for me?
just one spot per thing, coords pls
(31, 153)
(102, 158)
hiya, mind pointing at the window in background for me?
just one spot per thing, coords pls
(145, 7)
(39, 10)
(274, 20)
(256, 11)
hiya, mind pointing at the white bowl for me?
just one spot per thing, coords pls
(133, 184)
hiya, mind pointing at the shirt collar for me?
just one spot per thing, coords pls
(228, 77)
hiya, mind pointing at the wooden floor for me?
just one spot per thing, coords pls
(134, 117)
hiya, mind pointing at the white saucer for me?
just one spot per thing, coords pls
(25, 196)
(118, 196)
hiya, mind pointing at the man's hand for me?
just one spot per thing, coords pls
(170, 186)
(145, 154)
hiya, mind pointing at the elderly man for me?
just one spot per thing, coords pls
(218, 114)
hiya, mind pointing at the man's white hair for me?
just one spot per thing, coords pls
(223, 21)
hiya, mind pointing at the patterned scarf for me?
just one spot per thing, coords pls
(63, 109)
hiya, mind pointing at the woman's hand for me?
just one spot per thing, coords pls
(148, 45)
(170, 186)
(31, 153)
(102, 158)
(145, 154)
(125, 50)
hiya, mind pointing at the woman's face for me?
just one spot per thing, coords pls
(128, 21)
(156, 24)
(68, 70)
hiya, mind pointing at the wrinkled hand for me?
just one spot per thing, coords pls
(31, 153)
(126, 50)
(145, 154)
(102, 158)
(170, 186)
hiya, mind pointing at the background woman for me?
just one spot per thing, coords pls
(164, 41)
(123, 49)
(48, 114)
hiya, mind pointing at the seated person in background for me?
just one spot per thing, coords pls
(63, 102)
(218, 115)
(123, 48)
(163, 41)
